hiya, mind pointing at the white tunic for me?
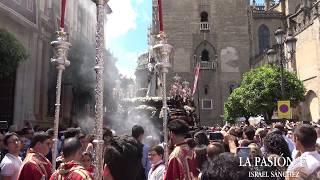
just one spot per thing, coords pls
(10, 166)
(158, 173)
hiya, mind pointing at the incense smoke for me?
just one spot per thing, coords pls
(123, 121)
(82, 57)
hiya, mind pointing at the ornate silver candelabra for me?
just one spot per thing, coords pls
(61, 47)
(99, 68)
(162, 52)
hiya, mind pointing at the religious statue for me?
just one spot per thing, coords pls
(176, 87)
(152, 78)
(186, 91)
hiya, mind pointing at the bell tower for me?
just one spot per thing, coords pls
(205, 34)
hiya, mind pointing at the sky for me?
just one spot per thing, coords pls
(126, 32)
(262, 1)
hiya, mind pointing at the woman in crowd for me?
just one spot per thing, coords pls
(90, 146)
(214, 149)
(254, 150)
(201, 138)
(87, 161)
(200, 156)
(274, 143)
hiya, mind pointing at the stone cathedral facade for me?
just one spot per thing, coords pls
(227, 38)
(30, 95)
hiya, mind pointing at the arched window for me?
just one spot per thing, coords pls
(205, 55)
(232, 87)
(264, 38)
(204, 16)
(206, 90)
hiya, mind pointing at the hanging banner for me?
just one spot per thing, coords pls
(196, 77)
(284, 110)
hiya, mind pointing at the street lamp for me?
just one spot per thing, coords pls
(162, 50)
(290, 43)
(280, 36)
(272, 56)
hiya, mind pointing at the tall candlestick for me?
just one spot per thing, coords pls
(63, 9)
(160, 15)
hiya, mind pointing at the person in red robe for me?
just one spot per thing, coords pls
(182, 164)
(71, 168)
(36, 166)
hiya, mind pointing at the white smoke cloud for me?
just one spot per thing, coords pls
(122, 19)
(87, 124)
(123, 121)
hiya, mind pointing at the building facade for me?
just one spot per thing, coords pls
(301, 19)
(229, 37)
(33, 23)
(304, 22)
(205, 32)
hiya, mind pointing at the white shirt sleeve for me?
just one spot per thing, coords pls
(160, 173)
(7, 169)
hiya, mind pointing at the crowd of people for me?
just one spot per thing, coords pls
(232, 152)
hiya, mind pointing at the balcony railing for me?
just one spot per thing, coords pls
(260, 8)
(209, 65)
(204, 26)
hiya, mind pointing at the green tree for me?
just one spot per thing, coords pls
(11, 53)
(261, 89)
(234, 106)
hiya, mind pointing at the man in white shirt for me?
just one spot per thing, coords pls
(11, 163)
(305, 138)
(157, 165)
